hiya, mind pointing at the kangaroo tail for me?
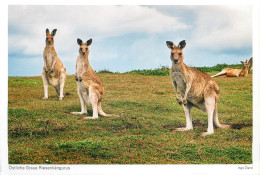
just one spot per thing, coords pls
(216, 121)
(101, 112)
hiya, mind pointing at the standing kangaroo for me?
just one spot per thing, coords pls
(196, 87)
(229, 72)
(90, 86)
(54, 73)
(250, 64)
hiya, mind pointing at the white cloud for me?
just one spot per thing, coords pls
(223, 27)
(82, 21)
(136, 35)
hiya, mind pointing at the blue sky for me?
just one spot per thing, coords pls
(128, 37)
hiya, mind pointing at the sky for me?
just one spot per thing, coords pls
(128, 37)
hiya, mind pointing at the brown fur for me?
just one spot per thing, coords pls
(197, 89)
(90, 86)
(90, 78)
(229, 72)
(56, 69)
(54, 72)
(250, 64)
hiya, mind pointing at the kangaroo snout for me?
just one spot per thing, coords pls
(175, 61)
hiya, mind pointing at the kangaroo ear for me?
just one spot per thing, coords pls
(182, 44)
(54, 32)
(88, 43)
(79, 41)
(241, 62)
(47, 32)
(170, 44)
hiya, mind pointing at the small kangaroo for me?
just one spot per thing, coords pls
(196, 87)
(54, 72)
(229, 72)
(90, 86)
(250, 64)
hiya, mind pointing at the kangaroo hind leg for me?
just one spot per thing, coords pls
(82, 103)
(187, 111)
(45, 84)
(62, 83)
(93, 98)
(223, 72)
(210, 107)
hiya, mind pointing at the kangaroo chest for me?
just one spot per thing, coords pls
(179, 78)
(80, 66)
(49, 59)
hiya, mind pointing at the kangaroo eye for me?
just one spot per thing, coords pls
(180, 54)
(172, 54)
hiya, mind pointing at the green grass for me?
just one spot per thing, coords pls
(43, 131)
(163, 71)
(105, 71)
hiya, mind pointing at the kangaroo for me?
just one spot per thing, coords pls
(196, 87)
(90, 86)
(229, 72)
(54, 72)
(250, 64)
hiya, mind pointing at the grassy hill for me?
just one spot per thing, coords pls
(43, 131)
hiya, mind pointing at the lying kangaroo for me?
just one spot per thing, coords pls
(196, 87)
(54, 73)
(250, 64)
(229, 72)
(90, 86)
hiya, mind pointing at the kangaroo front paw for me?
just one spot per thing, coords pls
(45, 69)
(78, 78)
(184, 102)
(179, 101)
